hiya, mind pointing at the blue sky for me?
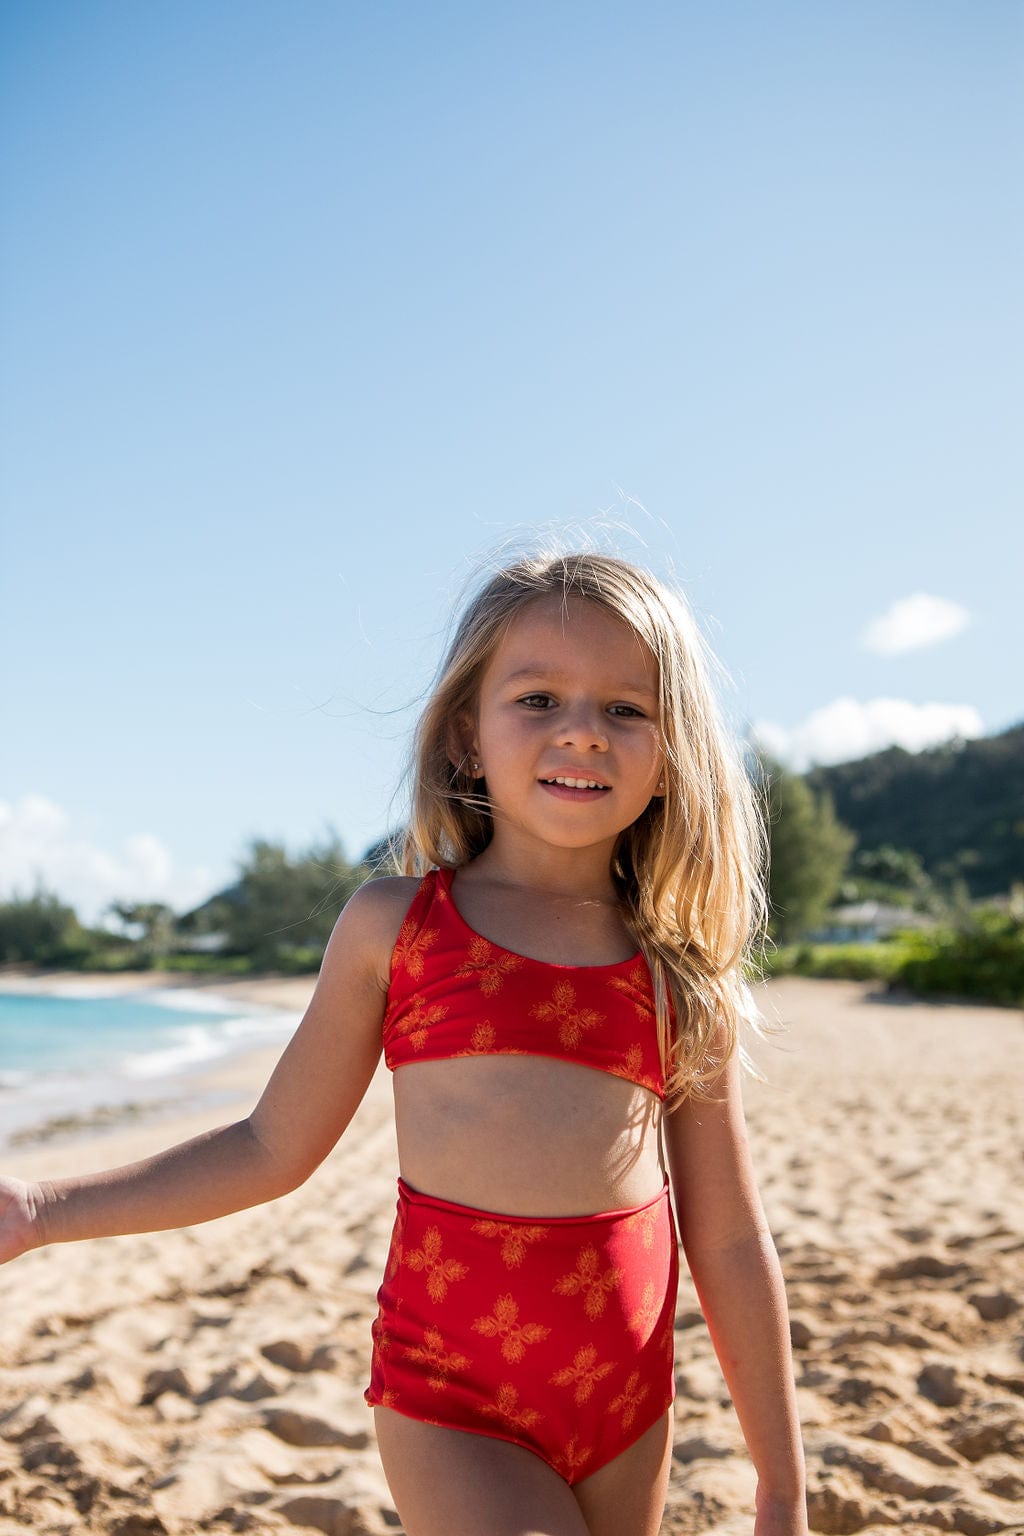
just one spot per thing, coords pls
(309, 311)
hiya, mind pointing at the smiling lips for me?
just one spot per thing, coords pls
(575, 786)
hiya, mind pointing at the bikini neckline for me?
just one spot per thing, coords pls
(446, 876)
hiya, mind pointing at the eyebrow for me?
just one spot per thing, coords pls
(534, 673)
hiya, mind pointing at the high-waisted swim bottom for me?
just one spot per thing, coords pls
(553, 1332)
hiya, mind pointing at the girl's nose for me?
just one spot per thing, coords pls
(584, 729)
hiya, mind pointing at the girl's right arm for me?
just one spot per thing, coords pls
(310, 1099)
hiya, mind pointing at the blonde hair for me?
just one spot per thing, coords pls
(690, 871)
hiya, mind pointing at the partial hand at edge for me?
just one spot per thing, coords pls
(18, 1206)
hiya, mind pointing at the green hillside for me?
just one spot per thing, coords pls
(959, 806)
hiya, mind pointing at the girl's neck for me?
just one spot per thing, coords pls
(583, 873)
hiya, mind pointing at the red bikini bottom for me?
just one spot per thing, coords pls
(553, 1332)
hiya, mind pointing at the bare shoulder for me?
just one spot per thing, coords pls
(371, 919)
(381, 904)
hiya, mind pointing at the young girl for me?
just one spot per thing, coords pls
(556, 984)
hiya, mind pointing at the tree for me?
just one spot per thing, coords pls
(281, 904)
(38, 928)
(809, 850)
(895, 875)
(157, 923)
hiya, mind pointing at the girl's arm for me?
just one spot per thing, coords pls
(310, 1099)
(732, 1258)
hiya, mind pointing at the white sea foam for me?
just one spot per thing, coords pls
(255, 1026)
(192, 1044)
(187, 1001)
(30, 986)
(188, 1046)
(158, 1059)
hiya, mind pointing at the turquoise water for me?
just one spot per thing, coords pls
(69, 1053)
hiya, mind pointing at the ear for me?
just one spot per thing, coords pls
(460, 744)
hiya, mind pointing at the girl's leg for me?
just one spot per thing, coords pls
(627, 1496)
(448, 1482)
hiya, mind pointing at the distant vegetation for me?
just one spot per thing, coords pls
(41, 929)
(981, 958)
(280, 912)
(958, 807)
(971, 948)
(938, 836)
(810, 850)
(277, 916)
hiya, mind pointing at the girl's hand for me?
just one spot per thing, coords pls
(18, 1230)
(780, 1517)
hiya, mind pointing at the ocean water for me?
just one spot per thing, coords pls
(78, 1050)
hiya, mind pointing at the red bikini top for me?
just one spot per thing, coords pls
(454, 993)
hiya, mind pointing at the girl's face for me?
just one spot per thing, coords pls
(570, 693)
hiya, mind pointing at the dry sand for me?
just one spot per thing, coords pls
(211, 1379)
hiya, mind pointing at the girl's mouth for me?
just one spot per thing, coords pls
(575, 789)
(570, 783)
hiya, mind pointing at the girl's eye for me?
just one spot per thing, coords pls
(630, 711)
(536, 700)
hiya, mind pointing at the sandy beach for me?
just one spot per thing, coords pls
(210, 1379)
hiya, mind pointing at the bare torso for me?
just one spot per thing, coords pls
(529, 1136)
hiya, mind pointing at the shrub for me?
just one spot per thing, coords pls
(982, 958)
(851, 962)
(209, 965)
(37, 928)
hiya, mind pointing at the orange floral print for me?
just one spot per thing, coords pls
(635, 1060)
(492, 965)
(637, 981)
(515, 1238)
(484, 1042)
(588, 1280)
(632, 1069)
(570, 1460)
(646, 1222)
(419, 1019)
(570, 1019)
(502, 1323)
(629, 1399)
(646, 1314)
(394, 1261)
(381, 1346)
(583, 1374)
(412, 947)
(440, 1362)
(440, 1272)
(506, 1407)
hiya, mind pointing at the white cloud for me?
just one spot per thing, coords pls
(847, 729)
(38, 844)
(911, 623)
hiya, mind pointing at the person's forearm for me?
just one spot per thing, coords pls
(743, 1297)
(222, 1170)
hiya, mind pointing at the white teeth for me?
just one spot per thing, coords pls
(578, 783)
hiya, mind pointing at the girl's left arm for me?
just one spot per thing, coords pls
(735, 1268)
